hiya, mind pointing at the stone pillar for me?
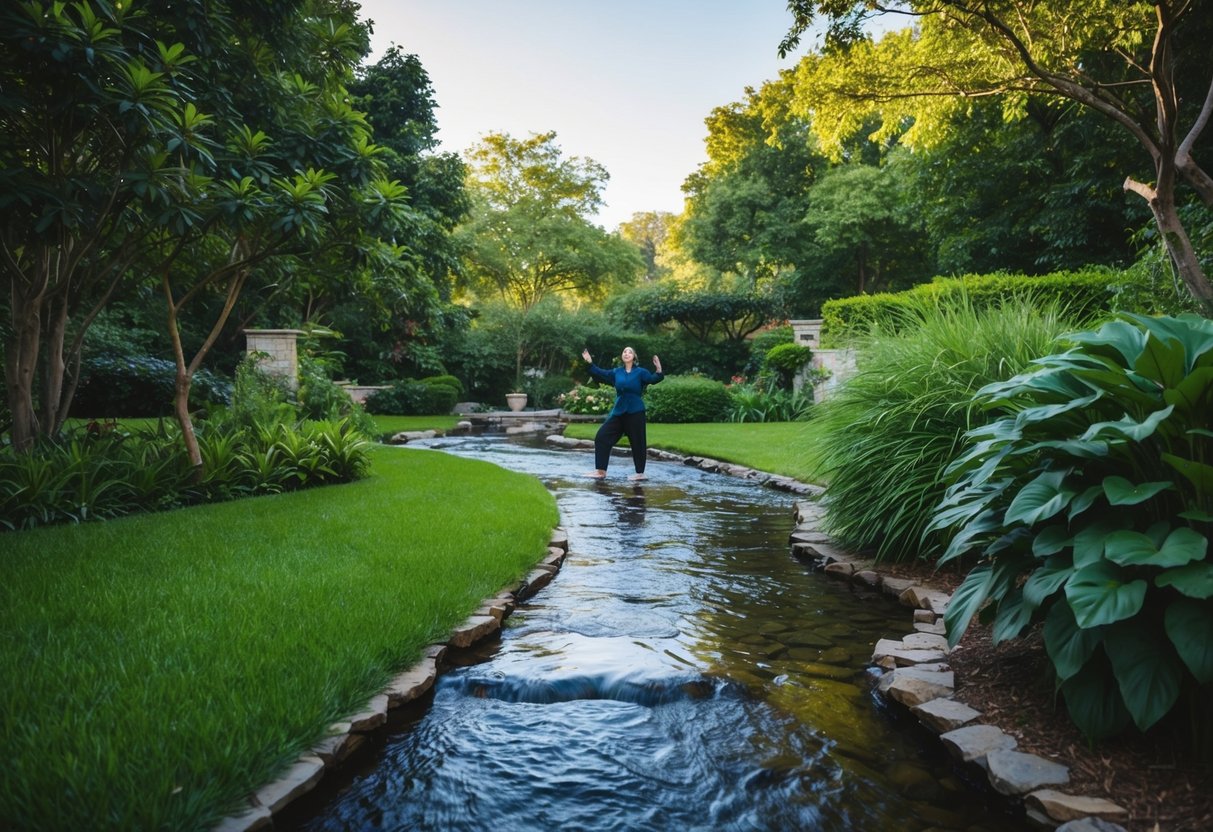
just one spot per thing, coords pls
(276, 352)
(807, 333)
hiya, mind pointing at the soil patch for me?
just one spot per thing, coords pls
(1011, 684)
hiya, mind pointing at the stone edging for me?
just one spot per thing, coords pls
(916, 673)
(347, 735)
(917, 676)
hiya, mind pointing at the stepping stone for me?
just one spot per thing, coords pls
(973, 742)
(943, 715)
(340, 745)
(250, 820)
(924, 617)
(904, 656)
(371, 717)
(559, 539)
(1090, 825)
(925, 641)
(298, 780)
(1062, 807)
(479, 626)
(808, 537)
(867, 577)
(412, 683)
(840, 569)
(895, 586)
(911, 686)
(937, 629)
(922, 598)
(1014, 772)
(822, 553)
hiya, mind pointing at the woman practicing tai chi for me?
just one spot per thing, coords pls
(627, 416)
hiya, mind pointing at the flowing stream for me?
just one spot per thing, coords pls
(683, 671)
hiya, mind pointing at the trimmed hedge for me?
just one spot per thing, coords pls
(1083, 295)
(687, 399)
(413, 398)
(113, 386)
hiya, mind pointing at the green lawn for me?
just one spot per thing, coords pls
(775, 447)
(159, 667)
(395, 424)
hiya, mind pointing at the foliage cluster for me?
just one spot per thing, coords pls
(885, 436)
(753, 403)
(1091, 502)
(784, 361)
(1081, 294)
(410, 397)
(102, 472)
(113, 386)
(588, 399)
(684, 398)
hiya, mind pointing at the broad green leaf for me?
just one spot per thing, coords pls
(1147, 672)
(1040, 499)
(1128, 427)
(1162, 360)
(1050, 540)
(1198, 473)
(1068, 645)
(1014, 613)
(1121, 492)
(1124, 338)
(1046, 580)
(1190, 627)
(971, 535)
(1196, 516)
(1069, 447)
(1127, 388)
(1089, 542)
(1193, 333)
(1093, 700)
(1098, 595)
(1045, 412)
(1194, 580)
(967, 600)
(1181, 546)
(1191, 395)
(1084, 501)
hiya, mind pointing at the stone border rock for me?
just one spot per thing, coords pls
(345, 736)
(917, 677)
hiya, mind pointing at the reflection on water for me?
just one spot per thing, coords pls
(681, 672)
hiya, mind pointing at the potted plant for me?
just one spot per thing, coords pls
(516, 400)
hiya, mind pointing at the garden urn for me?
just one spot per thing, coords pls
(516, 401)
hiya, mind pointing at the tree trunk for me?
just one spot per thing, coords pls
(20, 363)
(53, 365)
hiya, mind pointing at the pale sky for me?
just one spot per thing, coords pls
(627, 83)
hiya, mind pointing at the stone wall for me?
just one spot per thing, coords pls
(276, 352)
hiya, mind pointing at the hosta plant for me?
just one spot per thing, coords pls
(1091, 505)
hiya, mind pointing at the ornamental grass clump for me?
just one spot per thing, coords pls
(887, 434)
(1091, 505)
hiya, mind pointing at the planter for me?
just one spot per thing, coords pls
(516, 401)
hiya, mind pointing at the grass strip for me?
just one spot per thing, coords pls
(158, 668)
(775, 447)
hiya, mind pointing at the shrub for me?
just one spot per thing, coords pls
(113, 386)
(785, 361)
(1083, 295)
(1091, 505)
(321, 399)
(886, 435)
(687, 399)
(546, 391)
(750, 403)
(587, 400)
(448, 380)
(413, 398)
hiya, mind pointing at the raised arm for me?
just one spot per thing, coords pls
(597, 373)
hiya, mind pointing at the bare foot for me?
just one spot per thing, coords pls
(638, 477)
(596, 475)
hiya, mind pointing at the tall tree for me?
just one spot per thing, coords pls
(528, 236)
(1144, 65)
(648, 230)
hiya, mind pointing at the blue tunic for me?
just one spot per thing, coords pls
(628, 386)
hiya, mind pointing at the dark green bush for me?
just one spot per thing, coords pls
(448, 380)
(113, 386)
(687, 399)
(1081, 295)
(784, 361)
(321, 399)
(545, 392)
(1091, 505)
(413, 398)
(99, 473)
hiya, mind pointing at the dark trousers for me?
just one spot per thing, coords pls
(630, 423)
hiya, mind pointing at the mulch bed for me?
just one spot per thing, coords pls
(1011, 685)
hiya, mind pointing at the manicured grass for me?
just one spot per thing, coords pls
(775, 447)
(158, 668)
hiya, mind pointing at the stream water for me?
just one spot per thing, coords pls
(682, 671)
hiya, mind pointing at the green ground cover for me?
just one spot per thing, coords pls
(775, 447)
(395, 424)
(170, 663)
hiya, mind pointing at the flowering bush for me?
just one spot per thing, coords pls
(582, 399)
